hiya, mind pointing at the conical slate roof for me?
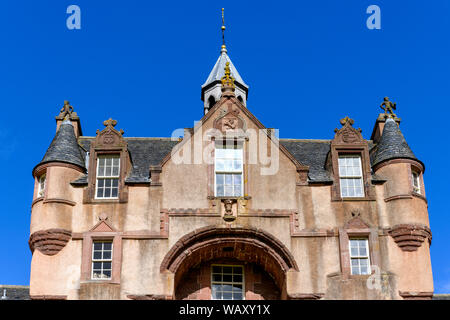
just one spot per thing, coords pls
(64, 147)
(219, 70)
(392, 144)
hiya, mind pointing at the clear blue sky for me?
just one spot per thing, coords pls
(308, 64)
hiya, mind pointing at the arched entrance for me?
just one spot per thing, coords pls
(198, 260)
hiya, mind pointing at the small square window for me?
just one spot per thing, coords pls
(102, 260)
(227, 282)
(359, 256)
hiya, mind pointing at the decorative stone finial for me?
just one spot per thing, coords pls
(66, 111)
(110, 123)
(343, 121)
(388, 108)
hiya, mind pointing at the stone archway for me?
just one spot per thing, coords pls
(245, 245)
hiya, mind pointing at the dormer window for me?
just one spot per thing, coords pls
(228, 171)
(41, 185)
(350, 176)
(416, 181)
(108, 169)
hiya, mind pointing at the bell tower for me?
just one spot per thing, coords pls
(212, 88)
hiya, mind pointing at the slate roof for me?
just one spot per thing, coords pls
(218, 70)
(312, 153)
(144, 152)
(8, 292)
(392, 145)
(64, 147)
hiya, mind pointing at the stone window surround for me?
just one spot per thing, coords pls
(86, 258)
(89, 192)
(344, 240)
(245, 172)
(350, 149)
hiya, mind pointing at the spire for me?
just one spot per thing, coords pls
(211, 89)
(224, 48)
(392, 144)
(64, 147)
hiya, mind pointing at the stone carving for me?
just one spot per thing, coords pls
(388, 108)
(229, 120)
(410, 237)
(347, 134)
(67, 112)
(50, 241)
(228, 207)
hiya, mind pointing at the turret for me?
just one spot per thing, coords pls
(54, 197)
(405, 214)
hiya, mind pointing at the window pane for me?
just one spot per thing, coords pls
(228, 191)
(227, 296)
(355, 270)
(217, 277)
(219, 178)
(228, 179)
(217, 269)
(97, 265)
(107, 265)
(227, 278)
(220, 190)
(97, 255)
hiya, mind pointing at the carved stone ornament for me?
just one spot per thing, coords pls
(50, 241)
(229, 120)
(228, 207)
(67, 112)
(410, 237)
(109, 137)
(347, 134)
(388, 108)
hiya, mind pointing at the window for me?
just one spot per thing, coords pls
(41, 185)
(228, 171)
(108, 177)
(350, 176)
(359, 256)
(416, 181)
(227, 282)
(101, 260)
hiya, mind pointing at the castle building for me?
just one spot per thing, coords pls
(229, 211)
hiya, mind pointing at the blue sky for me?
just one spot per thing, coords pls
(308, 64)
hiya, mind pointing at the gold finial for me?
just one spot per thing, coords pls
(223, 31)
(227, 79)
(388, 108)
